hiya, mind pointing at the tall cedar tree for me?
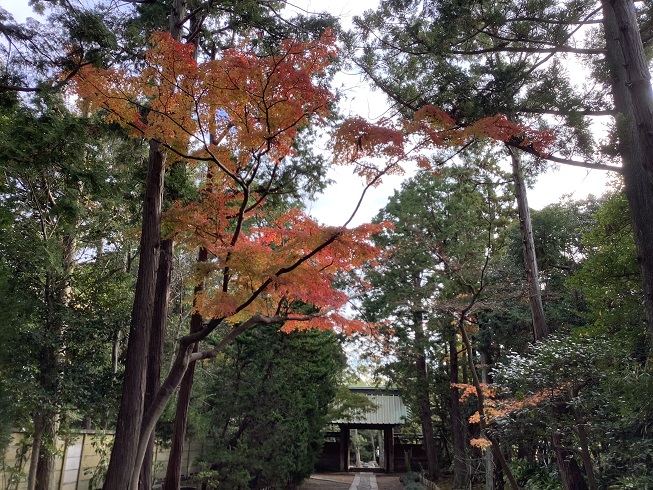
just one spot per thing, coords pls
(436, 246)
(55, 181)
(509, 58)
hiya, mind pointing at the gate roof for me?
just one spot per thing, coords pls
(390, 408)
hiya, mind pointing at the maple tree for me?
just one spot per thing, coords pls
(170, 106)
(240, 113)
(237, 116)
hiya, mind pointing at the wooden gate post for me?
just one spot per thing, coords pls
(389, 447)
(344, 448)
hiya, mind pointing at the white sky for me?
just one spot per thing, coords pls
(339, 200)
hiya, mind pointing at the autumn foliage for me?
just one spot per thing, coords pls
(384, 146)
(497, 406)
(235, 119)
(257, 103)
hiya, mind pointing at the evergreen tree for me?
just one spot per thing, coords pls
(274, 391)
(443, 233)
(64, 276)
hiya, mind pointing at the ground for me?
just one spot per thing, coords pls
(343, 481)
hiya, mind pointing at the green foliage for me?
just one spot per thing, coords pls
(557, 231)
(101, 444)
(347, 405)
(609, 278)
(532, 476)
(466, 58)
(443, 226)
(590, 381)
(271, 393)
(65, 292)
(410, 481)
(444, 238)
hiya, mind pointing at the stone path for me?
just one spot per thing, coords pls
(352, 481)
(364, 481)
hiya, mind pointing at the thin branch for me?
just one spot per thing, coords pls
(552, 158)
(559, 112)
(504, 48)
(257, 319)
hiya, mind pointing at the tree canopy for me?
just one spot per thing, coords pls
(155, 159)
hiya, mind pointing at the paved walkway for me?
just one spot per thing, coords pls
(352, 481)
(364, 481)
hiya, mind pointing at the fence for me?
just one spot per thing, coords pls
(428, 484)
(81, 460)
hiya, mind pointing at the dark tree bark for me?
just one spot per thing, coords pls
(569, 470)
(36, 450)
(496, 448)
(457, 429)
(570, 474)
(540, 329)
(160, 312)
(585, 455)
(497, 477)
(173, 470)
(45, 421)
(424, 397)
(638, 185)
(47, 457)
(157, 337)
(57, 294)
(130, 415)
(636, 76)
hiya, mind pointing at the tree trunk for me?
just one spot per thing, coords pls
(457, 429)
(57, 293)
(586, 456)
(173, 471)
(639, 189)
(570, 474)
(130, 415)
(540, 329)
(481, 407)
(424, 396)
(381, 447)
(637, 77)
(157, 337)
(36, 451)
(498, 474)
(149, 419)
(177, 15)
(47, 452)
(569, 471)
(357, 451)
(42, 465)
(489, 470)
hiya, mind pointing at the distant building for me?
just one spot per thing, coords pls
(389, 412)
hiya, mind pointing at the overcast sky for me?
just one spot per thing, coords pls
(339, 200)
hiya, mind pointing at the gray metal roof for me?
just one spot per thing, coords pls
(390, 407)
